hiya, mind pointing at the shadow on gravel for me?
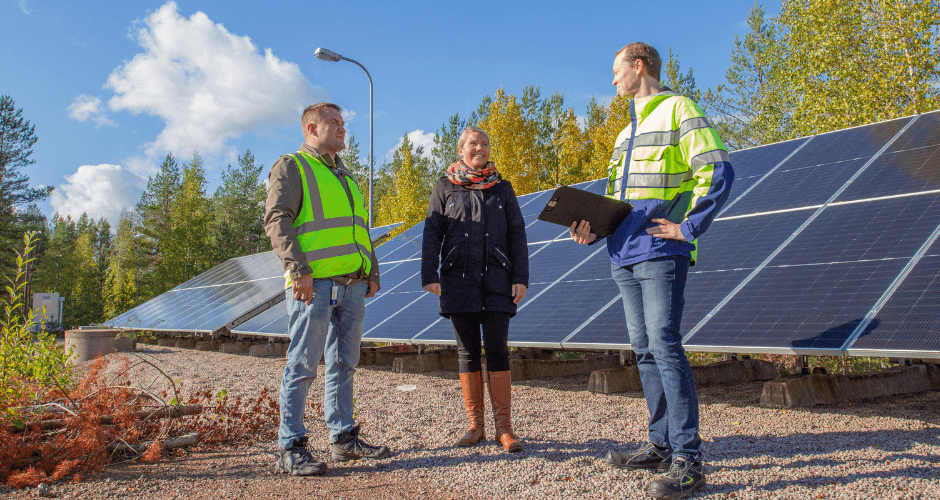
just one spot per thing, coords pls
(792, 445)
(489, 452)
(817, 481)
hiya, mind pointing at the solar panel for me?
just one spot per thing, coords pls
(818, 289)
(908, 325)
(211, 300)
(823, 247)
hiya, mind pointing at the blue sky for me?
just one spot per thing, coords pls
(112, 86)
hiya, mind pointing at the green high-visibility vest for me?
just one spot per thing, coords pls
(331, 226)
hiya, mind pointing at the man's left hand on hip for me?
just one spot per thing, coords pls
(666, 229)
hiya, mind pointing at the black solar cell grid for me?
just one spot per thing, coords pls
(910, 319)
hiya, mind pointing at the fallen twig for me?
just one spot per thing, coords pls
(167, 412)
(168, 444)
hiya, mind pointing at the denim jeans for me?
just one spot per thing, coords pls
(652, 293)
(312, 337)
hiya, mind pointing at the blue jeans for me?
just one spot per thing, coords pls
(652, 294)
(311, 337)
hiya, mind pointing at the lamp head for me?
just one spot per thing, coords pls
(326, 55)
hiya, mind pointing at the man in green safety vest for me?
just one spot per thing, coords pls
(670, 164)
(316, 219)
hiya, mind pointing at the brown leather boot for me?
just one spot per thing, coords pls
(501, 397)
(472, 385)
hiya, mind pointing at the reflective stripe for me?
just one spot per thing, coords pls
(618, 152)
(316, 202)
(707, 158)
(670, 138)
(337, 251)
(693, 124)
(664, 181)
(626, 162)
(331, 223)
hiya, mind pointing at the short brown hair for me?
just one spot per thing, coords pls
(466, 132)
(315, 111)
(644, 52)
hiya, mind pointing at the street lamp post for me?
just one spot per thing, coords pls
(328, 55)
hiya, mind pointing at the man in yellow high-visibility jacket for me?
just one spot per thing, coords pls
(671, 165)
(315, 217)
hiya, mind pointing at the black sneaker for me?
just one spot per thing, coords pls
(349, 446)
(649, 456)
(683, 479)
(297, 460)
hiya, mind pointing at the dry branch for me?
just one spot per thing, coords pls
(167, 412)
(168, 444)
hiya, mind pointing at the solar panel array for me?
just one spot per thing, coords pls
(222, 297)
(827, 245)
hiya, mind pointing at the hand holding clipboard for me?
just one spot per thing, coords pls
(569, 206)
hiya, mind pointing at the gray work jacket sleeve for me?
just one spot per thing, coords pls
(285, 194)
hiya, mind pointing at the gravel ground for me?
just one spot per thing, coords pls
(880, 448)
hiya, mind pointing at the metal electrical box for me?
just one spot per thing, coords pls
(51, 302)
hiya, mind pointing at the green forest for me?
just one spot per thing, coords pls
(820, 65)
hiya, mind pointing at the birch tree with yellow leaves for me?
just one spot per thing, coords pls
(407, 198)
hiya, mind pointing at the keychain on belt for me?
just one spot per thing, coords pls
(334, 292)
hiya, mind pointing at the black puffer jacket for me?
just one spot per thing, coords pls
(477, 239)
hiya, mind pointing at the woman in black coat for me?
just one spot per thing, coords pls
(475, 236)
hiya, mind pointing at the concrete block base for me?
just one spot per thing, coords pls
(385, 355)
(731, 372)
(186, 343)
(269, 349)
(234, 348)
(208, 345)
(167, 342)
(87, 345)
(811, 390)
(620, 379)
(435, 361)
(623, 379)
(525, 369)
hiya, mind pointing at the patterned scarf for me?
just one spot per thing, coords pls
(461, 174)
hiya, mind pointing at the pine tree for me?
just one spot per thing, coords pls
(120, 291)
(17, 138)
(186, 247)
(238, 211)
(444, 153)
(683, 83)
(154, 224)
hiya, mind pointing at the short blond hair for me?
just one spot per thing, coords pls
(467, 131)
(315, 112)
(644, 52)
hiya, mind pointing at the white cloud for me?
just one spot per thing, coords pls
(208, 85)
(417, 138)
(86, 107)
(100, 190)
(348, 115)
(24, 8)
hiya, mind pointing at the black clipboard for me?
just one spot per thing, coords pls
(568, 204)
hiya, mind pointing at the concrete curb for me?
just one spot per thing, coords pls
(623, 379)
(267, 349)
(812, 390)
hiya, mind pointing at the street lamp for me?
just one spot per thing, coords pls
(328, 55)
